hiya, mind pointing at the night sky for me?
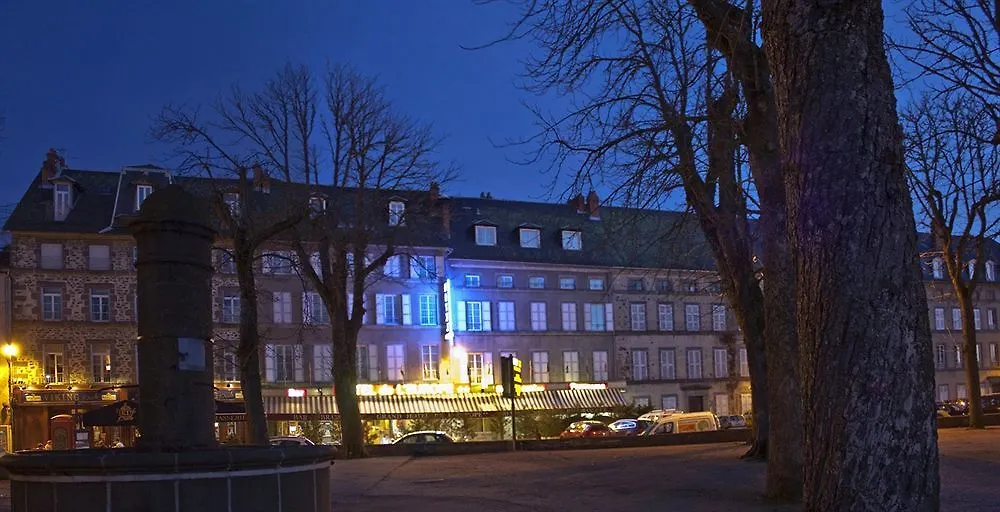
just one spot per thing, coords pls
(86, 77)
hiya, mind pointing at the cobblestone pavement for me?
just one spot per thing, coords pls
(691, 478)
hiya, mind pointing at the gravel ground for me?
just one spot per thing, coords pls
(692, 478)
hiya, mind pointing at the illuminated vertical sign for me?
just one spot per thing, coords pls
(449, 334)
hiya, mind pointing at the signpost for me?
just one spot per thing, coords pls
(510, 378)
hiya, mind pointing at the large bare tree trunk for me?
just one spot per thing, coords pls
(345, 378)
(973, 394)
(248, 352)
(870, 438)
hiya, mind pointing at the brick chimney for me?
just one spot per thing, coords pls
(593, 204)
(52, 166)
(261, 181)
(435, 192)
(578, 203)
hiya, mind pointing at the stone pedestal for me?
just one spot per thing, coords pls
(237, 479)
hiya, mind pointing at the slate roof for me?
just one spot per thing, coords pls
(94, 194)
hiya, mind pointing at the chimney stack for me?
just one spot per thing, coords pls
(52, 166)
(435, 192)
(593, 204)
(578, 203)
(261, 181)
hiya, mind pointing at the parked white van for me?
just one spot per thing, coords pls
(684, 422)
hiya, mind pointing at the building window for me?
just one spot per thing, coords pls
(718, 317)
(746, 402)
(991, 318)
(665, 314)
(941, 357)
(395, 363)
(141, 193)
(281, 262)
(572, 240)
(282, 302)
(386, 310)
(635, 285)
(99, 257)
(977, 320)
(994, 360)
(226, 367)
(285, 363)
(232, 201)
(531, 238)
(475, 368)
(959, 363)
(937, 268)
(956, 318)
(600, 366)
(598, 317)
(960, 393)
(471, 280)
(473, 316)
(664, 286)
(972, 269)
(569, 316)
(429, 362)
(100, 363)
(943, 393)
(744, 364)
(538, 320)
(642, 402)
(227, 265)
(668, 364)
(322, 364)
(423, 267)
(230, 308)
(596, 283)
(567, 283)
(51, 304)
(721, 404)
(694, 363)
(486, 235)
(991, 271)
(54, 370)
(640, 364)
(939, 319)
(428, 309)
(51, 256)
(367, 363)
(505, 281)
(100, 306)
(314, 309)
(721, 360)
(668, 402)
(505, 311)
(536, 282)
(393, 266)
(396, 211)
(692, 317)
(638, 316)
(63, 201)
(539, 367)
(317, 205)
(571, 366)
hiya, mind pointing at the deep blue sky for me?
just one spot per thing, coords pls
(86, 77)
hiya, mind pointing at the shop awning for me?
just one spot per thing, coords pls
(415, 406)
(315, 407)
(570, 400)
(126, 413)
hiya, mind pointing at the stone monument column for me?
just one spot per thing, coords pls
(174, 238)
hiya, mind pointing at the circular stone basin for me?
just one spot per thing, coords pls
(235, 478)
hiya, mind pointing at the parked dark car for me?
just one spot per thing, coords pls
(991, 403)
(424, 437)
(732, 421)
(629, 427)
(586, 429)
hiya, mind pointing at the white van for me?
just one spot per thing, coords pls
(681, 423)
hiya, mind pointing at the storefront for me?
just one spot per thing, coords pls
(43, 415)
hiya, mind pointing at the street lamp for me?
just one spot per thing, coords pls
(10, 351)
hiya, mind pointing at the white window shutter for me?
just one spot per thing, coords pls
(407, 310)
(587, 316)
(487, 321)
(380, 309)
(276, 303)
(373, 363)
(317, 363)
(269, 372)
(364, 305)
(414, 268)
(609, 317)
(460, 316)
(488, 368)
(299, 367)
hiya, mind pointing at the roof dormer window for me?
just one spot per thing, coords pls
(972, 269)
(572, 240)
(317, 205)
(232, 200)
(141, 193)
(486, 235)
(937, 268)
(63, 201)
(396, 210)
(531, 238)
(991, 271)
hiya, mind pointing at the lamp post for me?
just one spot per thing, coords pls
(10, 351)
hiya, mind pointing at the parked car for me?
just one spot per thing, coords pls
(291, 441)
(629, 427)
(732, 421)
(424, 437)
(586, 429)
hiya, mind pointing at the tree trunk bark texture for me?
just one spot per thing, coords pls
(345, 378)
(248, 351)
(973, 393)
(867, 369)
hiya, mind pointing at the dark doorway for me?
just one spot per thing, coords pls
(696, 403)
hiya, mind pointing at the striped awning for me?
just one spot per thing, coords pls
(324, 407)
(570, 400)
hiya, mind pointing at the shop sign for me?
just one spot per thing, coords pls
(69, 396)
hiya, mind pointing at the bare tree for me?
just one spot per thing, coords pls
(955, 177)
(265, 133)
(955, 43)
(667, 92)
(375, 155)
(867, 369)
